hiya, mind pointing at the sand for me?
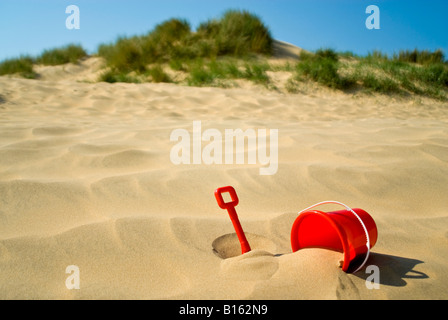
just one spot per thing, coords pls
(86, 180)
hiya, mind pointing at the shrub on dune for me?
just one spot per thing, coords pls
(322, 67)
(22, 66)
(125, 55)
(70, 53)
(238, 33)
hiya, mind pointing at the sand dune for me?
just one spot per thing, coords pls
(86, 180)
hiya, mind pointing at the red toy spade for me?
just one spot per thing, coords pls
(230, 206)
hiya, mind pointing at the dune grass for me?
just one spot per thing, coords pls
(322, 67)
(113, 77)
(24, 65)
(423, 72)
(424, 57)
(68, 54)
(157, 74)
(408, 72)
(216, 72)
(236, 46)
(237, 34)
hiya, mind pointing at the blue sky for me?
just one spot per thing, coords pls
(30, 26)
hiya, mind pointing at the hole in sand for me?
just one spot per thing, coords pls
(228, 245)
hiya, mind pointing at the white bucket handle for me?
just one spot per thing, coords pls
(356, 215)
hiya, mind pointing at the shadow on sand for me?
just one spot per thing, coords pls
(394, 270)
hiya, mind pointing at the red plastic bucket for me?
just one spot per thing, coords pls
(351, 231)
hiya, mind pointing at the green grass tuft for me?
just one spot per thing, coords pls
(125, 55)
(377, 84)
(214, 72)
(200, 76)
(238, 33)
(113, 76)
(256, 72)
(158, 75)
(22, 66)
(322, 67)
(70, 53)
(423, 57)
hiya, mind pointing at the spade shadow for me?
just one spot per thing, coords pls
(394, 270)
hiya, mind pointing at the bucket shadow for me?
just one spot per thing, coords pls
(394, 270)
